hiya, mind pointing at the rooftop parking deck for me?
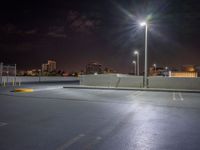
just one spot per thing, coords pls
(56, 118)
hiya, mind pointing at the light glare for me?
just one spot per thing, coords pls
(143, 24)
(136, 52)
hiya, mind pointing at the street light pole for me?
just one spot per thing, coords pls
(145, 74)
(15, 74)
(155, 67)
(138, 62)
(1, 72)
(134, 63)
(145, 59)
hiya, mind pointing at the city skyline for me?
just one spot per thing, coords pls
(76, 33)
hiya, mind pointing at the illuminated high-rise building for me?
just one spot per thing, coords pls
(93, 68)
(44, 67)
(49, 67)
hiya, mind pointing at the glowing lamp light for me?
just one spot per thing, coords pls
(143, 24)
(136, 52)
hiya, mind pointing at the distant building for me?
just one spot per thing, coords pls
(94, 68)
(21, 73)
(187, 71)
(188, 68)
(158, 71)
(197, 68)
(108, 70)
(33, 72)
(49, 67)
(182, 74)
(44, 67)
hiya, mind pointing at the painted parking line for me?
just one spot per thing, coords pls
(3, 124)
(177, 96)
(181, 97)
(91, 145)
(135, 94)
(70, 142)
(174, 96)
(47, 89)
(138, 93)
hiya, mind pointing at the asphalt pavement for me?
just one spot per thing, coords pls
(56, 118)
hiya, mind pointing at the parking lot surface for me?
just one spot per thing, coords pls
(56, 118)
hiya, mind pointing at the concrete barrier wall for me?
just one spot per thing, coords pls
(130, 81)
(54, 79)
(119, 80)
(25, 79)
(99, 80)
(174, 83)
(112, 80)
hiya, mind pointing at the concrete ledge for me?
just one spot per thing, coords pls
(36, 79)
(128, 81)
(113, 80)
(125, 88)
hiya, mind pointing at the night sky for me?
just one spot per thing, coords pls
(76, 32)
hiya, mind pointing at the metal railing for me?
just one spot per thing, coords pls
(7, 70)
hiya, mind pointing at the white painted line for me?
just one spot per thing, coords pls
(139, 93)
(3, 124)
(93, 143)
(181, 97)
(70, 142)
(174, 96)
(135, 94)
(47, 89)
(98, 138)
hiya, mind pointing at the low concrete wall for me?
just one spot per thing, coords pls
(174, 83)
(119, 80)
(26, 79)
(98, 80)
(130, 81)
(112, 80)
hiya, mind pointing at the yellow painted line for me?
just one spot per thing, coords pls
(25, 90)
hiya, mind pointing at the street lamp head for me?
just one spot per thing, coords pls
(136, 52)
(134, 62)
(143, 24)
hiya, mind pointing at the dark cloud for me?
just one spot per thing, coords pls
(31, 32)
(81, 23)
(57, 32)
